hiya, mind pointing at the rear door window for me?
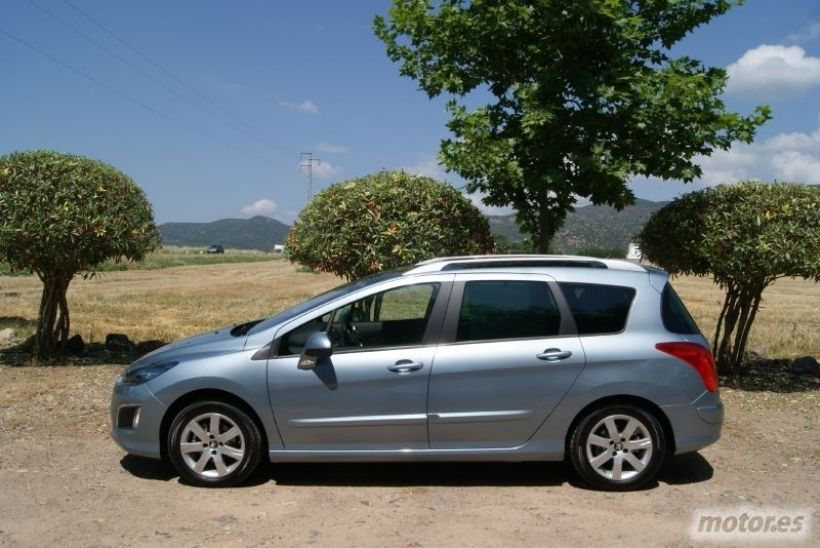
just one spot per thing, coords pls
(598, 309)
(507, 310)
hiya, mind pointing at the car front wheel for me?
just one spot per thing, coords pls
(214, 444)
(618, 448)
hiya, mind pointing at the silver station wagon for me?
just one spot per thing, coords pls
(495, 358)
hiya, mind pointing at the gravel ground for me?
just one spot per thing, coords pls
(64, 482)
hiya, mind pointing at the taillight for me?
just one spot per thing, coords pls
(699, 357)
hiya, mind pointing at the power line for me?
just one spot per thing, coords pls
(130, 98)
(148, 75)
(169, 73)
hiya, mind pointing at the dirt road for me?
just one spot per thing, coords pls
(64, 482)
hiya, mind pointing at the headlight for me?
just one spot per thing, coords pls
(144, 374)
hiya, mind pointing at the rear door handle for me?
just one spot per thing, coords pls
(554, 354)
(405, 366)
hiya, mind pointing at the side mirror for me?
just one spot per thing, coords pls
(317, 346)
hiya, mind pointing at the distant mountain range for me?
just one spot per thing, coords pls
(255, 233)
(588, 227)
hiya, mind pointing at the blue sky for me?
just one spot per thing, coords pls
(246, 86)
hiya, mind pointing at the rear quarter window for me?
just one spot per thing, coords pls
(598, 308)
(674, 314)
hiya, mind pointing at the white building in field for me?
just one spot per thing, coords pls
(633, 252)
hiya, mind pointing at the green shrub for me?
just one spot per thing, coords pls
(63, 215)
(746, 236)
(601, 252)
(383, 221)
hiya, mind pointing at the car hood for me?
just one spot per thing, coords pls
(211, 343)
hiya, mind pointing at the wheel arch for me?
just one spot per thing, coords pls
(206, 394)
(624, 399)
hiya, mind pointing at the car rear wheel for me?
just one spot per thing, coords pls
(214, 444)
(618, 448)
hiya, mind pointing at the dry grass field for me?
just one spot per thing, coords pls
(171, 303)
(170, 256)
(787, 324)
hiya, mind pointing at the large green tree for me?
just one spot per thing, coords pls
(745, 236)
(383, 221)
(574, 97)
(62, 215)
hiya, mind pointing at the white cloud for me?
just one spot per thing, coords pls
(322, 170)
(793, 141)
(793, 166)
(812, 32)
(331, 148)
(790, 157)
(728, 166)
(427, 168)
(770, 71)
(476, 199)
(307, 106)
(259, 206)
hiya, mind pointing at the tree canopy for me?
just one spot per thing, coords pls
(62, 215)
(745, 235)
(579, 96)
(383, 221)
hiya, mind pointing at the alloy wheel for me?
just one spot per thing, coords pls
(619, 447)
(212, 445)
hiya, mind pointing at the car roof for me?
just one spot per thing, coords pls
(473, 262)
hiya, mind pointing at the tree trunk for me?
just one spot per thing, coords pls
(53, 322)
(735, 323)
(549, 221)
(742, 336)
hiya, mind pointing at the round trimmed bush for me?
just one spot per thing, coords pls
(62, 215)
(383, 221)
(745, 235)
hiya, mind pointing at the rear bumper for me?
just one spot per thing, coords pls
(696, 425)
(711, 414)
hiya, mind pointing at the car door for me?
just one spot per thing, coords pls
(371, 393)
(508, 356)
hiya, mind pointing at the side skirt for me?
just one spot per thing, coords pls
(531, 451)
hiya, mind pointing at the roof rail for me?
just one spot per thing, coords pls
(469, 262)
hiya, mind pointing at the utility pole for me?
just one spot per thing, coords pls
(306, 161)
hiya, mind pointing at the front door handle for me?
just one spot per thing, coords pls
(554, 354)
(405, 366)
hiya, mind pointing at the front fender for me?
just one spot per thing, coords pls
(234, 373)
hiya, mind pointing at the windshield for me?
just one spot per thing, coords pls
(324, 298)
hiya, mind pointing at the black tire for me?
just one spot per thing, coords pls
(238, 452)
(596, 462)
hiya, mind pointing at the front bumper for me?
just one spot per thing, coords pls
(140, 437)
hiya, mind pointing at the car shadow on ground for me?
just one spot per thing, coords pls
(414, 474)
(680, 470)
(684, 469)
(150, 469)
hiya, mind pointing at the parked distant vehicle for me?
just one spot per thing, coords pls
(278, 248)
(633, 252)
(215, 249)
(497, 358)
